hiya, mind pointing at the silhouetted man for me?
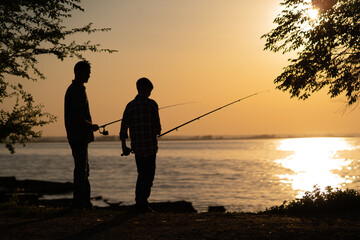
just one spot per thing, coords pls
(141, 117)
(79, 130)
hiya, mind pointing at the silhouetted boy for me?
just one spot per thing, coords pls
(141, 117)
(79, 130)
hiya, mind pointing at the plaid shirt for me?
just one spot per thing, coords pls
(141, 117)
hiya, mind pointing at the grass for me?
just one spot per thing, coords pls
(13, 209)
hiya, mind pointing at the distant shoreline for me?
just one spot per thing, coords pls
(114, 138)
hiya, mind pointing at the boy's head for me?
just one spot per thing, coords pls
(82, 71)
(144, 86)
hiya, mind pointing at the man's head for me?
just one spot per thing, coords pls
(144, 86)
(82, 71)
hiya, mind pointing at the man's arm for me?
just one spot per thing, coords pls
(86, 123)
(123, 133)
(73, 101)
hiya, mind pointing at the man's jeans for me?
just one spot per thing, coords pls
(146, 173)
(81, 174)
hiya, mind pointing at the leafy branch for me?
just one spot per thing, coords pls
(29, 29)
(328, 50)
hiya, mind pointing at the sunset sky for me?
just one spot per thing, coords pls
(205, 51)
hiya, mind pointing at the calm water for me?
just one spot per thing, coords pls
(242, 175)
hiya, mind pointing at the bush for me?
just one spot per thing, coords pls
(328, 202)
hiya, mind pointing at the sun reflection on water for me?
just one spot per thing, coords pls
(313, 161)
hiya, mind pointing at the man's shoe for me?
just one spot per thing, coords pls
(83, 206)
(148, 209)
(88, 206)
(144, 209)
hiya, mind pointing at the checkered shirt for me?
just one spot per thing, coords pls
(141, 117)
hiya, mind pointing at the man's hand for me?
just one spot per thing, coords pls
(94, 127)
(126, 151)
(87, 124)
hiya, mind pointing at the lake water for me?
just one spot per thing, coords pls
(242, 175)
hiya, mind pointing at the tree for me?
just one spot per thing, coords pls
(327, 47)
(28, 29)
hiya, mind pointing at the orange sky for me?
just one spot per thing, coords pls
(203, 51)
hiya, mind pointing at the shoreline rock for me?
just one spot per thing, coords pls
(12, 185)
(29, 192)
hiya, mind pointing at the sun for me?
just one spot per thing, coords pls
(309, 13)
(312, 13)
(307, 9)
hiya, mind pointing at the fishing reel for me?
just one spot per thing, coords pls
(103, 131)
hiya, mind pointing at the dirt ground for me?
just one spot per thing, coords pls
(118, 224)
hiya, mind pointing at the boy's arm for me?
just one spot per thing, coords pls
(157, 121)
(126, 150)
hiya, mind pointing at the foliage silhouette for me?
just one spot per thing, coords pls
(327, 202)
(328, 47)
(29, 29)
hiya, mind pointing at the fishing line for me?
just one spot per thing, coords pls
(217, 109)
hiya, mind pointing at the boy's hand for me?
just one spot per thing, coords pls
(126, 151)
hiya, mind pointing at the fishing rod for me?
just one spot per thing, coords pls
(105, 133)
(217, 109)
